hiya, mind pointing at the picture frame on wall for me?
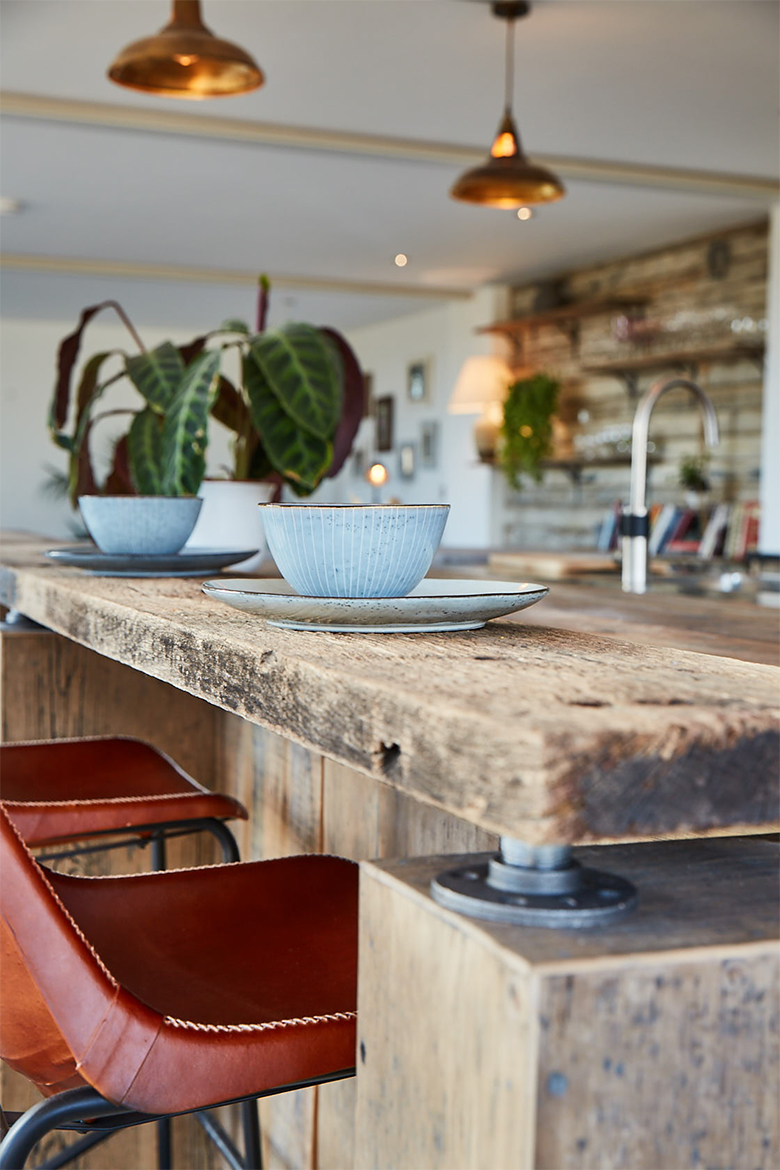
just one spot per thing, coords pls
(429, 445)
(418, 380)
(384, 422)
(407, 460)
(358, 461)
(368, 395)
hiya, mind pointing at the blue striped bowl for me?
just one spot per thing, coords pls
(346, 550)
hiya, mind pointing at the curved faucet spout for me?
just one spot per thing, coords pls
(635, 524)
(642, 428)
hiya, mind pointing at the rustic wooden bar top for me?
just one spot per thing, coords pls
(544, 733)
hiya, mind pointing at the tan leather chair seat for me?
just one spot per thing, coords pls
(61, 790)
(178, 990)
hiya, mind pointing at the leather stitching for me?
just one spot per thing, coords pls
(72, 922)
(32, 804)
(267, 1027)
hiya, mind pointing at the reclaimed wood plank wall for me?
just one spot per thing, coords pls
(693, 308)
(302, 802)
(651, 1043)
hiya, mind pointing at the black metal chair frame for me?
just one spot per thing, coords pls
(155, 835)
(87, 1111)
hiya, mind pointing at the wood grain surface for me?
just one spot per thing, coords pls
(300, 802)
(651, 1043)
(538, 733)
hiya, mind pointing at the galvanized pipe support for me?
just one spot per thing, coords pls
(534, 885)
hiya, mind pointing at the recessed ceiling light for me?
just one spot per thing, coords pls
(401, 260)
(10, 206)
(524, 213)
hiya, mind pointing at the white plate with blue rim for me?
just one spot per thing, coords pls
(433, 605)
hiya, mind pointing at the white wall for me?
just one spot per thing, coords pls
(446, 337)
(769, 532)
(28, 351)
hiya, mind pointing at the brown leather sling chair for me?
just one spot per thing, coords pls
(60, 791)
(126, 999)
(93, 795)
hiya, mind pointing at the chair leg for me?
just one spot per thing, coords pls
(253, 1154)
(226, 839)
(158, 851)
(164, 1148)
(73, 1105)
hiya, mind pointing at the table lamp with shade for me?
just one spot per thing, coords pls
(481, 388)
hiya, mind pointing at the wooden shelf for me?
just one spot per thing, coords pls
(575, 467)
(679, 357)
(564, 314)
(599, 461)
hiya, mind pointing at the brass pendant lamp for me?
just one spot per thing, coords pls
(507, 178)
(186, 60)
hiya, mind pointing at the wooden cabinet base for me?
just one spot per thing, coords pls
(652, 1044)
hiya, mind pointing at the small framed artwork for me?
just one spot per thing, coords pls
(358, 465)
(429, 444)
(418, 380)
(368, 395)
(384, 423)
(407, 458)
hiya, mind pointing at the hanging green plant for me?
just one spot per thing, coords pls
(693, 472)
(526, 432)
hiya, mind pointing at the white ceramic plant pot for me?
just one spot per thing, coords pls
(230, 518)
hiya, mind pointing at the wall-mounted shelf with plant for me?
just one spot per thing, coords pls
(526, 435)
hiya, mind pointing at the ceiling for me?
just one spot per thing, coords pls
(670, 83)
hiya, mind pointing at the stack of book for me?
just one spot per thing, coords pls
(727, 530)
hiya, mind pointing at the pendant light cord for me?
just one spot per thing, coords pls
(509, 71)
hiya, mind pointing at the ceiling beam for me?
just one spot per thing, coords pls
(79, 266)
(207, 126)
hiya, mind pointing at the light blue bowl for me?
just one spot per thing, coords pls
(346, 550)
(140, 525)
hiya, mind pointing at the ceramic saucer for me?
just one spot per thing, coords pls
(187, 563)
(432, 606)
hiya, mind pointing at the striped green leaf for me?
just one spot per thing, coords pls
(144, 452)
(185, 431)
(301, 371)
(298, 455)
(157, 375)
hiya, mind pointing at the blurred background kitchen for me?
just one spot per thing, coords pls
(647, 249)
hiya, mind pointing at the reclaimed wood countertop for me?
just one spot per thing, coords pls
(544, 733)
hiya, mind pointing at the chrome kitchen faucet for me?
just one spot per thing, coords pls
(635, 527)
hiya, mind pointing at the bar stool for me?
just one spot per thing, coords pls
(120, 1006)
(70, 790)
(61, 791)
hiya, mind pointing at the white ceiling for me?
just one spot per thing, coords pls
(686, 83)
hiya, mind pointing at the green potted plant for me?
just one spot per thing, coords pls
(293, 413)
(526, 436)
(694, 478)
(158, 465)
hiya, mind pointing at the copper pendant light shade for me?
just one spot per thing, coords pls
(186, 60)
(507, 178)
